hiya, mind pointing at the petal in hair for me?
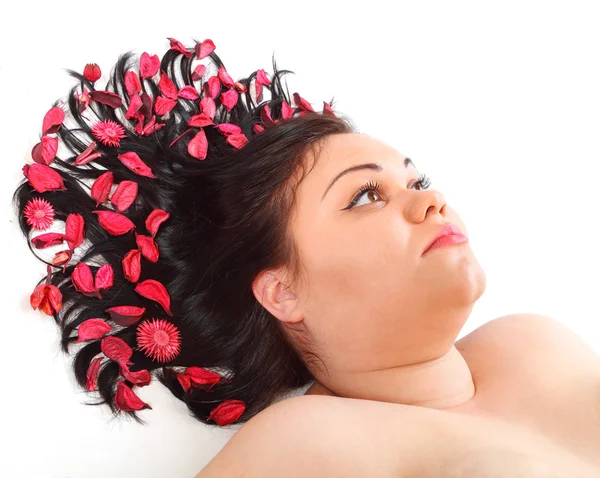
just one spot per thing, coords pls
(178, 46)
(132, 265)
(188, 92)
(53, 120)
(265, 116)
(159, 339)
(257, 128)
(237, 140)
(45, 151)
(147, 246)
(198, 72)
(39, 213)
(152, 126)
(126, 315)
(149, 65)
(92, 72)
(43, 178)
(163, 105)
(141, 378)
(229, 98)
(229, 128)
(87, 155)
(92, 374)
(115, 348)
(106, 98)
(208, 107)
(46, 240)
(101, 187)
(105, 276)
(200, 121)
(227, 412)
(47, 298)
(155, 219)
(154, 290)
(62, 258)
(327, 111)
(83, 100)
(240, 87)
(74, 230)
(167, 87)
(202, 377)
(134, 105)
(135, 164)
(127, 400)
(124, 195)
(286, 110)
(204, 49)
(261, 77)
(225, 78)
(114, 223)
(198, 145)
(302, 103)
(132, 83)
(83, 280)
(184, 380)
(212, 87)
(92, 329)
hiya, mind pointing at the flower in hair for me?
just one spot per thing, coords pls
(39, 213)
(160, 340)
(227, 412)
(108, 132)
(92, 72)
(46, 297)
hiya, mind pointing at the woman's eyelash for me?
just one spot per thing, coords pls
(423, 181)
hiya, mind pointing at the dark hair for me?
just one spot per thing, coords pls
(229, 217)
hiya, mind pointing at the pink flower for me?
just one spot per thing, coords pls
(159, 339)
(108, 132)
(39, 213)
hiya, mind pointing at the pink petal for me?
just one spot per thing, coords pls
(82, 279)
(155, 219)
(45, 151)
(188, 92)
(302, 103)
(62, 258)
(198, 145)
(286, 110)
(178, 46)
(92, 374)
(261, 77)
(86, 156)
(240, 87)
(327, 111)
(167, 87)
(152, 126)
(134, 106)
(229, 128)
(124, 195)
(204, 49)
(126, 315)
(257, 128)
(101, 187)
(237, 140)
(225, 78)
(47, 298)
(208, 107)
(200, 376)
(212, 87)
(147, 246)
(46, 240)
(104, 277)
(163, 105)
(115, 348)
(230, 98)
(132, 83)
(140, 378)
(107, 98)
(265, 116)
(154, 290)
(127, 400)
(198, 72)
(227, 412)
(92, 329)
(114, 223)
(74, 230)
(53, 120)
(132, 266)
(199, 121)
(135, 163)
(149, 65)
(43, 178)
(92, 72)
(184, 380)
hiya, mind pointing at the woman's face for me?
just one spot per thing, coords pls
(369, 298)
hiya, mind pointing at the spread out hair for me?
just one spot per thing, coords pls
(154, 203)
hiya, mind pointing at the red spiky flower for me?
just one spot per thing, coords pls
(159, 339)
(108, 132)
(39, 213)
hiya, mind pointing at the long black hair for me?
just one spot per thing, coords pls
(228, 221)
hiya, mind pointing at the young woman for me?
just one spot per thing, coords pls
(237, 248)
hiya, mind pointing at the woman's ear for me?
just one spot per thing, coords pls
(272, 293)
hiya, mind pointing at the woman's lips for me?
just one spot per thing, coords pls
(448, 234)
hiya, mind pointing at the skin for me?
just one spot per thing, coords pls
(382, 317)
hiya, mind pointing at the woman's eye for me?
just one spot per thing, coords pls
(369, 194)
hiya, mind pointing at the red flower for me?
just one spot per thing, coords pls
(159, 339)
(39, 213)
(92, 72)
(47, 298)
(108, 132)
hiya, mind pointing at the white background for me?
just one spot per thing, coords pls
(498, 102)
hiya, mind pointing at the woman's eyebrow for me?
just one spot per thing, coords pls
(358, 167)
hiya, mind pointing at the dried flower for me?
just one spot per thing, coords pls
(159, 339)
(92, 72)
(39, 213)
(108, 132)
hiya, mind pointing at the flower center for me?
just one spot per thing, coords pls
(40, 214)
(161, 337)
(110, 131)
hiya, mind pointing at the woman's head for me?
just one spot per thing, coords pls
(366, 297)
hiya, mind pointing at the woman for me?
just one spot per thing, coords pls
(237, 249)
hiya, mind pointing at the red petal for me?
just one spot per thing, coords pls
(177, 45)
(127, 400)
(155, 219)
(135, 163)
(201, 376)
(107, 98)
(47, 298)
(225, 78)
(45, 151)
(152, 126)
(46, 240)
(261, 77)
(257, 128)
(83, 280)
(208, 107)
(36, 153)
(101, 187)
(115, 348)
(86, 156)
(265, 116)
(198, 145)
(184, 380)
(74, 230)
(240, 87)
(163, 105)
(140, 378)
(167, 87)
(198, 72)
(62, 258)
(53, 120)
(149, 65)
(114, 222)
(124, 195)
(286, 110)
(229, 128)
(132, 266)
(104, 277)
(237, 140)
(227, 412)
(126, 315)
(302, 103)
(154, 290)
(92, 72)
(134, 106)
(213, 87)
(92, 374)
(327, 111)
(204, 49)
(132, 83)
(188, 92)
(147, 246)
(199, 121)
(92, 329)
(43, 178)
